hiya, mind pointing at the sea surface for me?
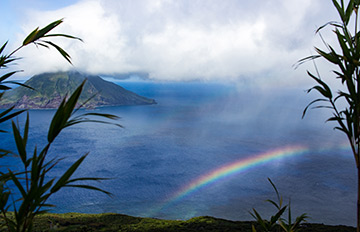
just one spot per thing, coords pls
(205, 149)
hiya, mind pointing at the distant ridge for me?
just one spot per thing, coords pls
(51, 88)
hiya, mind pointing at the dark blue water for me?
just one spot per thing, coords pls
(196, 128)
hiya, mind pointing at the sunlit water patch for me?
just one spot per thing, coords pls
(206, 149)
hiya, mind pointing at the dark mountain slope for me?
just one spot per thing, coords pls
(51, 88)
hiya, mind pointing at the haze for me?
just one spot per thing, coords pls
(250, 42)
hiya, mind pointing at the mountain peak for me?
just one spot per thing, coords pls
(51, 88)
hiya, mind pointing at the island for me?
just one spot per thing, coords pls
(50, 88)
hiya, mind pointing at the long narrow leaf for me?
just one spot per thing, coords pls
(63, 35)
(3, 47)
(328, 56)
(37, 34)
(60, 50)
(42, 32)
(88, 187)
(26, 129)
(31, 37)
(259, 219)
(4, 118)
(7, 75)
(66, 176)
(20, 84)
(57, 122)
(348, 12)
(277, 216)
(324, 89)
(63, 114)
(339, 9)
(109, 116)
(21, 147)
(17, 183)
(73, 122)
(311, 103)
(87, 179)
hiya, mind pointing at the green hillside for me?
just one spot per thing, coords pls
(118, 222)
(51, 88)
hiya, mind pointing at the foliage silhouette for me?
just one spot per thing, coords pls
(345, 56)
(32, 182)
(277, 222)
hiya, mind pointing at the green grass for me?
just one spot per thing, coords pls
(119, 222)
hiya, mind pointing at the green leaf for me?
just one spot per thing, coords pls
(31, 37)
(324, 89)
(311, 103)
(328, 56)
(63, 114)
(26, 129)
(86, 179)
(259, 219)
(88, 187)
(253, 228)
(42, 45)
(306, 59)
(82, 120)
(348, 12)
(18, 83)
(63, 35)
(275, 189)
(4, 116)
(57, 123)
(344, 48)
(109, 116)
(63, 180)
(6, 60)
(21, 147)
(7, 75)
(273, 203)
(60, 50)
(277, 216)
(299, 219)
(38, 34)
(332, 23)
(335, 118)
(41, 33)
(3, 47)
(339, 9)
(17, 183)
(4, 87)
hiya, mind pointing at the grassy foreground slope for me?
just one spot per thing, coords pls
(118, 222)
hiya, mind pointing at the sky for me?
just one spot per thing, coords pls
(252, 42)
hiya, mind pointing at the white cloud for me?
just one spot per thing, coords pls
(182, 40)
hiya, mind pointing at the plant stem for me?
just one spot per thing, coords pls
(358, 204)
(356, 153)
(27, 179)
(15, 50)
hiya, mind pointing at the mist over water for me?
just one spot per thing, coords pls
(196, 128)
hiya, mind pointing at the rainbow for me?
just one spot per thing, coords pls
(235, 168)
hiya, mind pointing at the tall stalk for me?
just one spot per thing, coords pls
(346, 63)
(358, 128)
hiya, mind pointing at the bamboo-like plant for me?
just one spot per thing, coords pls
(32, 183)
(345, 56)
(277, 222)
(39, 37)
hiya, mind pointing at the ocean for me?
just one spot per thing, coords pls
(205, 149)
